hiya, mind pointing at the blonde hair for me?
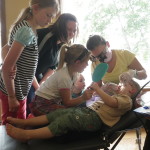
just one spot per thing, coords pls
(70, 54)
(136, 87)
(27, 12)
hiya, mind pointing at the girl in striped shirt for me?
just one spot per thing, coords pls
(22, 57)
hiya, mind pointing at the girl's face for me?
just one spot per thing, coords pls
(82, 65)
(43, 16)
(71, 29)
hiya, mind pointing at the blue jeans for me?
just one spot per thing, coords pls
(30, 97)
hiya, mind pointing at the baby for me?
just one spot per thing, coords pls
(111, 88)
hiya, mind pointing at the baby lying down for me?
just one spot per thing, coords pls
(111, 88)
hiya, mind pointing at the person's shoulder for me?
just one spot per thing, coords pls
(62, 71)
(22, 24)
(120, 50)
(43, 31)
(62, 74)
(121, 95)
(123, 52)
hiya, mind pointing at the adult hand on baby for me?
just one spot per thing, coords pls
(127, 76)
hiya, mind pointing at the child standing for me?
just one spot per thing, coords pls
(56, 91)
(22, 57)
(108, 112)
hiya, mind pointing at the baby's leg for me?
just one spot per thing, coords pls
(31, 122)
(25, 135)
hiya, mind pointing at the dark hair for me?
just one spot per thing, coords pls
(59, 28)
(94, 41)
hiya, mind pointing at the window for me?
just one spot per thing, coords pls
(125, 24)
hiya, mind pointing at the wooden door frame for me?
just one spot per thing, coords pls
(3, 22)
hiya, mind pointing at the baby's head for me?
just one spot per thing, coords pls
(80, 83)
(130, 88)
(136, 88)
(110, 88)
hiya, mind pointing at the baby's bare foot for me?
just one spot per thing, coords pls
(17, 133)
(17, 122)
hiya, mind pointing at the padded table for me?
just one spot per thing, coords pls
(8, 143)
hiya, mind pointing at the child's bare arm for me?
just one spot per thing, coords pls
(4, 51)
(7, 69)
(69, 102)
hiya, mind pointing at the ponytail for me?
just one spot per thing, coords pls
(62, 56)
(24, 15)
(70, 54)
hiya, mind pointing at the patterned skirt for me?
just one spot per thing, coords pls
(41, 106)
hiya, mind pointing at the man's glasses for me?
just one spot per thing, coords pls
(101, 57)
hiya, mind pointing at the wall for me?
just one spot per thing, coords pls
(13, 8)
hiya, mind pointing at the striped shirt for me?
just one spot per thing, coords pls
(27, 62)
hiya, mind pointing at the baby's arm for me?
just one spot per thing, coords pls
(110, 88)
(108, 100)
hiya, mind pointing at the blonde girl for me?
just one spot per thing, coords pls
(55, 92)
(22, 57)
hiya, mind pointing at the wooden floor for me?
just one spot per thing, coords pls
(129, 141)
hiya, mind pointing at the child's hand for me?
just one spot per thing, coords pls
(87, 94)
(12, 74)
(13, 104)
(94, 86)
